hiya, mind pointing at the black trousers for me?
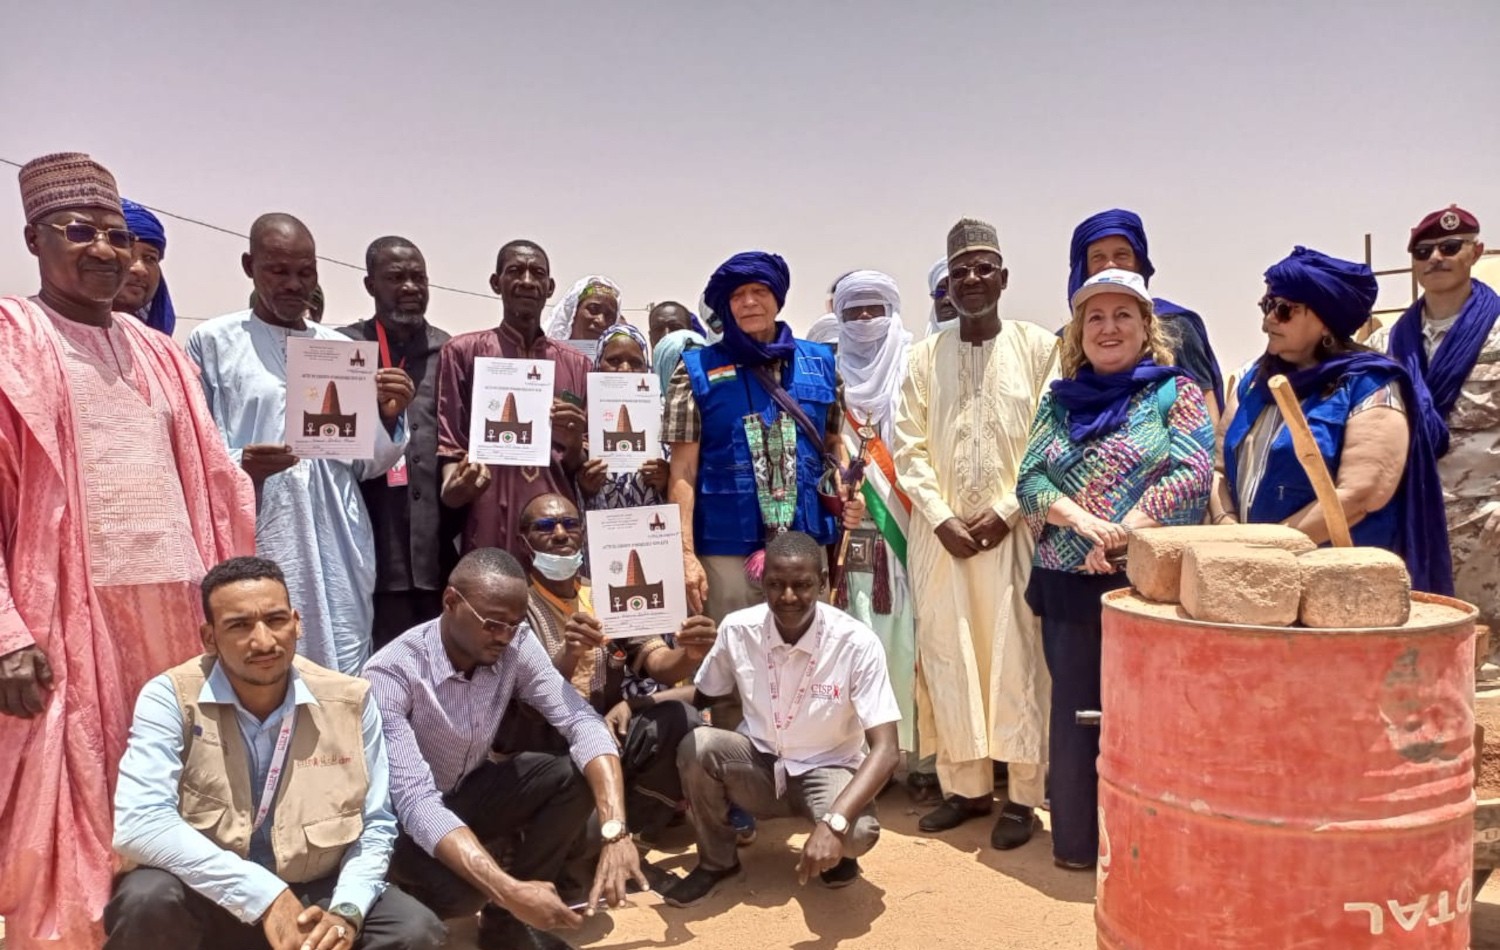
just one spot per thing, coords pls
(398, 611)
(151, 909)
(1073, 652)
(648, 756)
(528, 811)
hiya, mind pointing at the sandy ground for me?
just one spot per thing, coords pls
(952, 891)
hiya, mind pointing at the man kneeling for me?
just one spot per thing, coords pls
(254, 793)
(815, 691)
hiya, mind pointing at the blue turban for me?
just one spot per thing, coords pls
(159, 313)
(751, 267)
(1111, 223)
(1340, 292)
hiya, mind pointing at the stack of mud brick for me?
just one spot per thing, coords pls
(1269, 576)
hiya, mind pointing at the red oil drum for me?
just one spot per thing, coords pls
(1272, 788)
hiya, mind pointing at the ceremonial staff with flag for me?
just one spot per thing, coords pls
(870, 571)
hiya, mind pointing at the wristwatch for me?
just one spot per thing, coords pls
(613, 830)
(350, 913)
(837, 822)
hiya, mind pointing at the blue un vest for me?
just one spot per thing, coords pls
(726, 513)
(1285, 488)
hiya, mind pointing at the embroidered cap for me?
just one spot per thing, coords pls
(970, 234)
(66, 180)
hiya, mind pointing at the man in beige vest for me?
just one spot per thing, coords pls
(253, 800)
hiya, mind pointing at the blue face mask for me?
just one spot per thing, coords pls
(557, 567)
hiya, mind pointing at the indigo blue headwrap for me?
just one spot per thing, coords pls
(1340, 292)
(158, 313)
(1455, 356)
(1127, 224)
(1116, 221)
(751, 267)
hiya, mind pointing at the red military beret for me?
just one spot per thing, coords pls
(1440, 224)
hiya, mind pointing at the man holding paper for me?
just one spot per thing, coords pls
(615, 676)
(310, 517)
(495, 494)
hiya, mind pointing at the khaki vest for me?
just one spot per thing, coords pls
(320, 801)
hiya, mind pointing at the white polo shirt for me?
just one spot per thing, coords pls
(832, 685)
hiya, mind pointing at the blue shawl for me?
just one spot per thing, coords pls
(1454, 358)
(1098, 405)
(1422, 533)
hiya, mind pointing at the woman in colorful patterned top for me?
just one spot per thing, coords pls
(1123, 440)
(622, 349)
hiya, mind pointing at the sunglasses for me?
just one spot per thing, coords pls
(980, 270)
(1280, 310)
(80, 233)
(940, 293)
(1446, 248)
(490, 624)
(549, 525)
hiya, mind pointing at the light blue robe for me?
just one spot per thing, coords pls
(311, 518)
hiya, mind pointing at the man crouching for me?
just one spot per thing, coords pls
(254, 794)
(815, 691)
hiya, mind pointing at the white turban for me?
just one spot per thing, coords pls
(872, 353)
(560, 327)
(825, 329)
(935, 277)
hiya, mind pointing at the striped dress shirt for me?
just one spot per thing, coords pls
(439, 724)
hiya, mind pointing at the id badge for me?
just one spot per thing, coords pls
(395, 476)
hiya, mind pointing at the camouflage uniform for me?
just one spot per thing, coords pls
(1470, 473)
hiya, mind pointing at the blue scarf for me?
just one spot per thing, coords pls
(1454, 358)
(1128, 225)
(1098, 405)
(1422, 534)
(751, 267)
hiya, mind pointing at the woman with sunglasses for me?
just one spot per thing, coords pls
(1123, 440)
(1372, 423)
(622, 349)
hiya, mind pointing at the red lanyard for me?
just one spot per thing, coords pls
(778, 724)
(273, 775)
(385, 348)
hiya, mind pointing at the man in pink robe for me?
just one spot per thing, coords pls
(116, 494)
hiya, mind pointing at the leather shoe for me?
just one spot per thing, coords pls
(843, 874)
(954, 811)
(698, 886)
(1014, 827)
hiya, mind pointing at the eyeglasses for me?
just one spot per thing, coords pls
(490, 624)
(77, 232)
(1447, 248)
(981, 270)
(940, 293)
(1280, 310)
(549, 525)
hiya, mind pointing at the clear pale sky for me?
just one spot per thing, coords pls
(650, 140)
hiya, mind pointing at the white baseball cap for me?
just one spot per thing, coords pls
(1112, 281)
